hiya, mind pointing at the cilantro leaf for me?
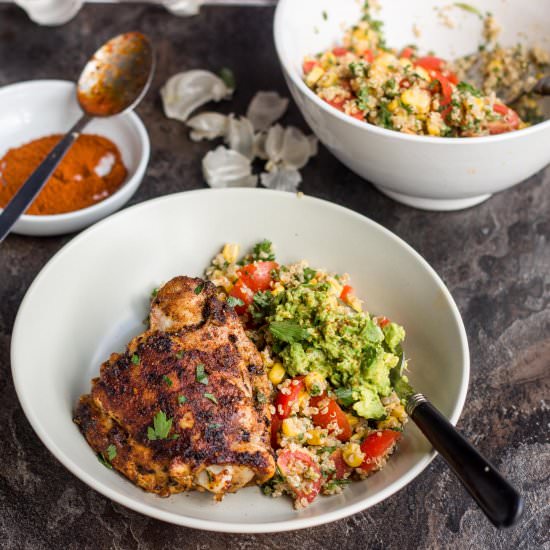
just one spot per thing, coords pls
(135, 359)
(227, 75)
(167, 380)
(200, 374)
(161, 427)
(288, 331)
(466, 87)
(198, 288)
(344, 396)
(180, 354)
(182, 399)
(154, 293)
(309, 274)
(103, 461)
(211, 397)
(111, 452)
(234, 302)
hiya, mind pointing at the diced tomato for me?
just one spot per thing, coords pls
(406, 52)
(308, 64)
(243, 293)
(298, 463)
(340, 465)
(284, 401)
(257, 276)
(368, 56)
(452, 77)
(339, 51)
(445, 87)
(337, 103)
(333, 413)
(359, 115)
(430, 63)
(383, 321)
(509, 122)
(346, 291)
(376, 446)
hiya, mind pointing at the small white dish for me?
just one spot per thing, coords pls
(38, 108)
(90, 299)
(426, 172)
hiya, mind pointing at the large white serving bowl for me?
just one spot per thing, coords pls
(422, 171)
(90, 299)
(38, 108)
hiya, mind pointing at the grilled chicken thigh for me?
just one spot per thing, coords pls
(186, 406)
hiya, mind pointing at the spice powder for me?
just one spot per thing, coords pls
(90, 172)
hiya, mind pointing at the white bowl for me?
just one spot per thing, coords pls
(426, 172)
(39, 108)
(90, 299)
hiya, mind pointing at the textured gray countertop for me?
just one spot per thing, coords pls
(495, 259)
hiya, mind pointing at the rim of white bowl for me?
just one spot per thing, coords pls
(138, 173)
(222, 526)
(280, 14)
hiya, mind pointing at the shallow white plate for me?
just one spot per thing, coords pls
(92, 296)
(38, 108)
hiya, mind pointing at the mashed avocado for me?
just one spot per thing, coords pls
(313, 330)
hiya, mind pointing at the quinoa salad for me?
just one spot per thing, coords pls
(335, 414)
(425, 95)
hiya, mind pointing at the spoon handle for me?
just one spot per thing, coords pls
(28, 191)
(500, 502)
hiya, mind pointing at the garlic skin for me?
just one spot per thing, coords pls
(183, 8)
(265, 109)
(208, 125)
(227, 168)
(185, 92)
(50, 12)
(282, 179)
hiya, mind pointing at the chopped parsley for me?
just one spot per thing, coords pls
(135, 359)
(211, 396)
(234, 302)
(182, 399)
(198, 288)
(288, 331)
(227, 75)
(167, 380)
(161, 427)
(201, 375)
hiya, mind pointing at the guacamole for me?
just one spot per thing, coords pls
(314, 331)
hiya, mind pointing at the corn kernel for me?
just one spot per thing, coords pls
(327, 60)
(422, 73)
(276, 374)
(385, 60)
(314, 75)
(494, 66)
(352, 455)
(303, 397)
(335, 287)
(433, 129)
(418, 99)
(316, 437)
(230, 252)
(352, 419)
(328, 80)
(389, 423)
(392, 105)
(315, 383)
(291, 427)
(355, 303)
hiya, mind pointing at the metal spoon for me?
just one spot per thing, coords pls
(541, 87)
(113, 81)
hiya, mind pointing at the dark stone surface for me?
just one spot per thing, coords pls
(494, 258)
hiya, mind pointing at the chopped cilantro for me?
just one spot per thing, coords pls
(214, 425)
(325, 15)
(135, 359)
(154, 292)
(103, 461)
(227, 75)
(211, 397)
(234, 302)
(321, 450)
(385, 116)
(309, 274)
(161, 427)
(363, 98)
(180, 354)
(182, 399)
(263, 251)
(198, 288)
(466, 87)
(288, 331)
(201, 375)
(111, 452)
(167, 380)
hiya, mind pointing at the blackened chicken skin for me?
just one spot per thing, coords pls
(196, 365)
